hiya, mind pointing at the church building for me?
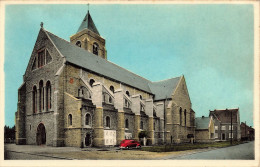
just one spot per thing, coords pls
(73, 96)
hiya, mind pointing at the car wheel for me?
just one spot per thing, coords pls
(127, 148)
(138, 146)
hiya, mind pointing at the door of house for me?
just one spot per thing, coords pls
(41, 135)
(87, 140)
(223, 136)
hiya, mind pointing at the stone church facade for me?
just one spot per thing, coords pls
(72, 95)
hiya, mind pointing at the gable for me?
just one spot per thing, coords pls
(42, 53)
(181, 95)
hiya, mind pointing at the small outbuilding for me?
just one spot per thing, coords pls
(204, 131)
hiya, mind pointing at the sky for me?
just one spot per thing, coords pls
(211, 45)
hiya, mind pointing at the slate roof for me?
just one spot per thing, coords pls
(225, 115)
(164, 89)
(202, 122)
(81, 57)
(88, 23)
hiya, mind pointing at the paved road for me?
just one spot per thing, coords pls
(238, 152)
(25, 156)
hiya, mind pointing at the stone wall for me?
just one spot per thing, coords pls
(33, 120)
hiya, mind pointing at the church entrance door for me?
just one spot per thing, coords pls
(41, 134)
(87, 140)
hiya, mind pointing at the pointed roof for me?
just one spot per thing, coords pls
(88, 23)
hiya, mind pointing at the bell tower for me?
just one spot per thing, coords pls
(88, 37)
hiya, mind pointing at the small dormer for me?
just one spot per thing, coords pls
(88, 37)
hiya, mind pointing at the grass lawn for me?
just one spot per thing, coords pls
(188, 146)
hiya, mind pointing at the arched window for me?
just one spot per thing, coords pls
(180, 116)
(78, 43)
(185, 116)
(88, 119)
(141, 125)
(128, 94)
(48, 95)
(95, 48)
(108, 122)
(91, 82)
(126, 124)
(41, 96)
(112, 89)
(70, 119)
(34, 99)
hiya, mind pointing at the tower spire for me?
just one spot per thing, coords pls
(88, 23)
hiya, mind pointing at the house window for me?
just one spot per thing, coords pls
(34, 99)
(141, 125)
(230, 127)
(216, 127)
(180, 116)
(212, 135)
(223, 127)
(230, 135)
(112, 88)
(41, 58)
(141, 97)
(78, 43)
(41, 96)
(126, 124)
(91, 82)
(70, 119)
(95, 48)
(128, 94)
(108, 122)
(48, 95)
(88, 119)
(216, 135)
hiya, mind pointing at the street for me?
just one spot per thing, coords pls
(32, 152)
(239, 152)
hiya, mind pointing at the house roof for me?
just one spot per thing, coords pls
(202, 122)
(88, 23)
(81, 57)
(225, 115)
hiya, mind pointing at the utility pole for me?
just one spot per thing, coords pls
(231, 129)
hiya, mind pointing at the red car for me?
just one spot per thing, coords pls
(128, 143)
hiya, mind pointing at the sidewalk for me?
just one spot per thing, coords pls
(109, 153)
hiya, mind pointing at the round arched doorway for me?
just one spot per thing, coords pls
(88, 140)
(41, 134)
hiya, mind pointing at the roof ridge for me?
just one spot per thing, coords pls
(129, 71)
(226, 109)
(166, 79)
